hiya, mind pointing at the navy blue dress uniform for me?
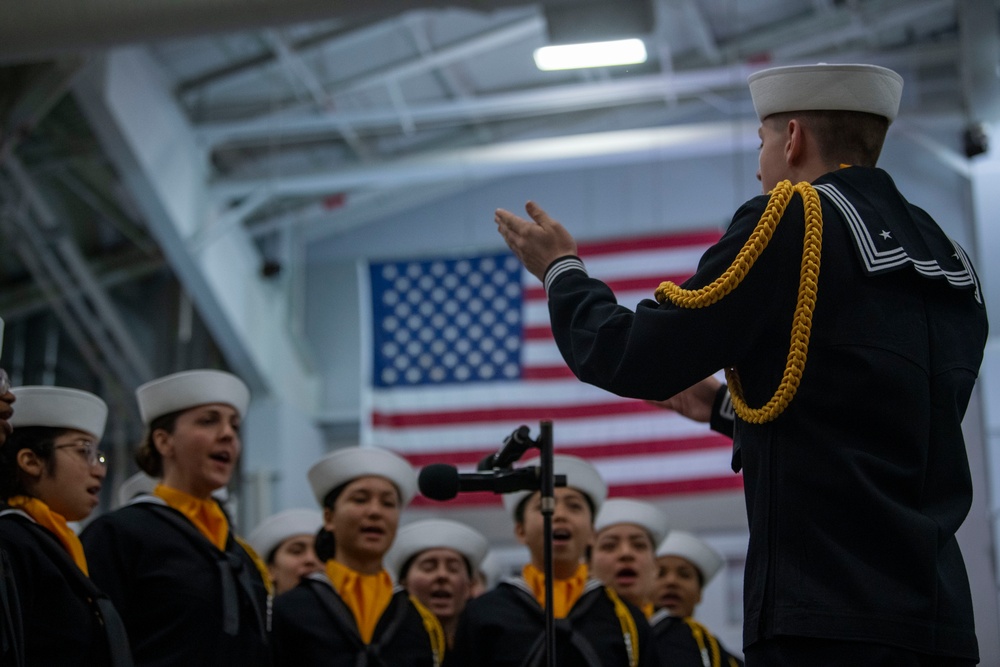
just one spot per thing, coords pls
(184, 601)
(855, 492)
(506, 628)
(315, 625)
(684, 642)
(63, 618)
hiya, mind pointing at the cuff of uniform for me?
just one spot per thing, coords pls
(723, 414)
(561, 266)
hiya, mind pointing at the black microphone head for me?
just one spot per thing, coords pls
(439, 481)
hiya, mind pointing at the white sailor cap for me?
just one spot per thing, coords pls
(344, 465)
(59, 407)
(188, 389)
(690, 548)
(824, 87)
(580, 475)
(617, 511)
(277, 528)
(420, 536)
(138, 483)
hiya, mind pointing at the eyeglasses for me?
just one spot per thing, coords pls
(88, 451)
(4, 382)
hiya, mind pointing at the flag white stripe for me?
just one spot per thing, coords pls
(578, 432)
(665, 468)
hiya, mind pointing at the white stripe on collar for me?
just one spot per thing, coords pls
(881, 261)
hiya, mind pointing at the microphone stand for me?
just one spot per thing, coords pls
(548, 503)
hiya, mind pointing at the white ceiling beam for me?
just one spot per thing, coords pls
(554, 99)
(483, 162)
(391, 75)
(549, 100)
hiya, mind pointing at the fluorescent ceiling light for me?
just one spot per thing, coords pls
(593, 54)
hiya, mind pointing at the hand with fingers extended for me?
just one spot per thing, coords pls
(537, 242)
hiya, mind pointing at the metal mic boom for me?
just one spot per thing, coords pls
(513, 448)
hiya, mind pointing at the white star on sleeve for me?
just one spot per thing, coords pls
(886, 235)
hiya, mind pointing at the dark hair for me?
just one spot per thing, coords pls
(147, 456)
(325, 546)
(519, 510)
(847, 137)
(40, 440)
(403, 571)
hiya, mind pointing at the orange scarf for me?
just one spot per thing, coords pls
(648, 610)
(55, 524)
(565, 592)
(366, 595)
(206, 515)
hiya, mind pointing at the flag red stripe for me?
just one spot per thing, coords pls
(615, 450)
(525, 412)
(560, 372)
(537, 333)
(678, 487)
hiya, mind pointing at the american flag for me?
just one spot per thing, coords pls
(461, 354)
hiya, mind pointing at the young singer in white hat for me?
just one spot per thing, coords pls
(51, 473)
(686, 565)
(437, 560)
(188, 589)
(286, 543)
(594, 626)
(852, 330)
(626, 533)
(351, 613)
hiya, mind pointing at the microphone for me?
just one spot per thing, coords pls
(514, 447)
(440, 481)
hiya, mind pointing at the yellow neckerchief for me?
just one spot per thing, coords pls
(648, 610)
(710, 653)
(206, 515)
(366, 595)
(56, 524)
(432, 624)
(565, 592)
(259, 563)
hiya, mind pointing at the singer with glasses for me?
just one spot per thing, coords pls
(51, 473)
(594, 626)
(350, 613)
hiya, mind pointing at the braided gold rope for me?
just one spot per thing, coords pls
(808, 280)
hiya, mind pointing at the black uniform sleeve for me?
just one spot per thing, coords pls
(106, 561)
(659, 349)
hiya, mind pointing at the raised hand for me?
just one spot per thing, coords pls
(536, 242)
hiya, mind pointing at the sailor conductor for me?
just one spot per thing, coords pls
(852, 330)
